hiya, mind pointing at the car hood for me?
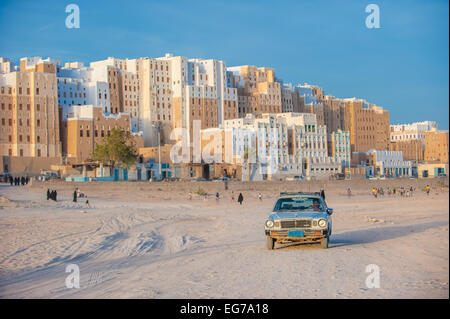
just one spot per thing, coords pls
(285, 215)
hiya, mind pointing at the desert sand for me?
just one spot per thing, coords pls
(149, 240)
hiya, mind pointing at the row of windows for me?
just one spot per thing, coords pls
(10, 122)
(10, 107)
(39, 154)
(10, 90)
(71, 95)
(38, 138)
(88, 133)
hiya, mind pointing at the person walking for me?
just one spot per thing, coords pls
(217, 196)
(428, 190)
(260, 196)
(48, 194)
(11, 180)
(240, 198)
(74, 196)
(349, 192)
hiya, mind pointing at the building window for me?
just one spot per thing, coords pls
(81, 133)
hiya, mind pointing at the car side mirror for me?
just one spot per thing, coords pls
(330, 211)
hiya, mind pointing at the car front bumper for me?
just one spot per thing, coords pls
(307, 234)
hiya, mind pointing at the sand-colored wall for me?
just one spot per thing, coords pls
(30, 165)
(436, 146)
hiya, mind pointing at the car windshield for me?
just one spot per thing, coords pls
(310, 204)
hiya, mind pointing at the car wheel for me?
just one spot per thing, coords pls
(324, 243)
(270, 243)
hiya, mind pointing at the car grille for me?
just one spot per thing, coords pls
(299, 223)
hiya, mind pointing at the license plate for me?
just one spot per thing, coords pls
(295, 233)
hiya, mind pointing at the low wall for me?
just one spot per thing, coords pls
(274, 187)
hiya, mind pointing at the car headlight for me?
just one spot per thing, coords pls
(269, 223)
(322, 223)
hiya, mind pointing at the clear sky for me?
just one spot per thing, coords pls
(402, 66)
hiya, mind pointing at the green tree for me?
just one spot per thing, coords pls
(118, 149)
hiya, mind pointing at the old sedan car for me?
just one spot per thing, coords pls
(299, 217)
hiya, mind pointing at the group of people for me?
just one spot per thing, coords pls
(240, 199)
(51, 194)
(78, 194)
(18, 181)
(400, 191)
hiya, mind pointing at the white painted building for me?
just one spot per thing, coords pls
(287, 144)
(413, 131)
(340, 147)
(390, 163)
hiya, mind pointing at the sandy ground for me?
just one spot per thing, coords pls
(148, 240)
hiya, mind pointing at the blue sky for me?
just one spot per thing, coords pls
(403, 66)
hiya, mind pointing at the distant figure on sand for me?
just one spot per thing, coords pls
(259, 196)
(240, 198)
(349, 192)
(374, 192)
(217, 196)
(428, 189)
(232, 196)
(74, 196)
(48, 194)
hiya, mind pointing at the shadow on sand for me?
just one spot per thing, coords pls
(371, 235)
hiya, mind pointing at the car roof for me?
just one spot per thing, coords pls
(301, 195)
